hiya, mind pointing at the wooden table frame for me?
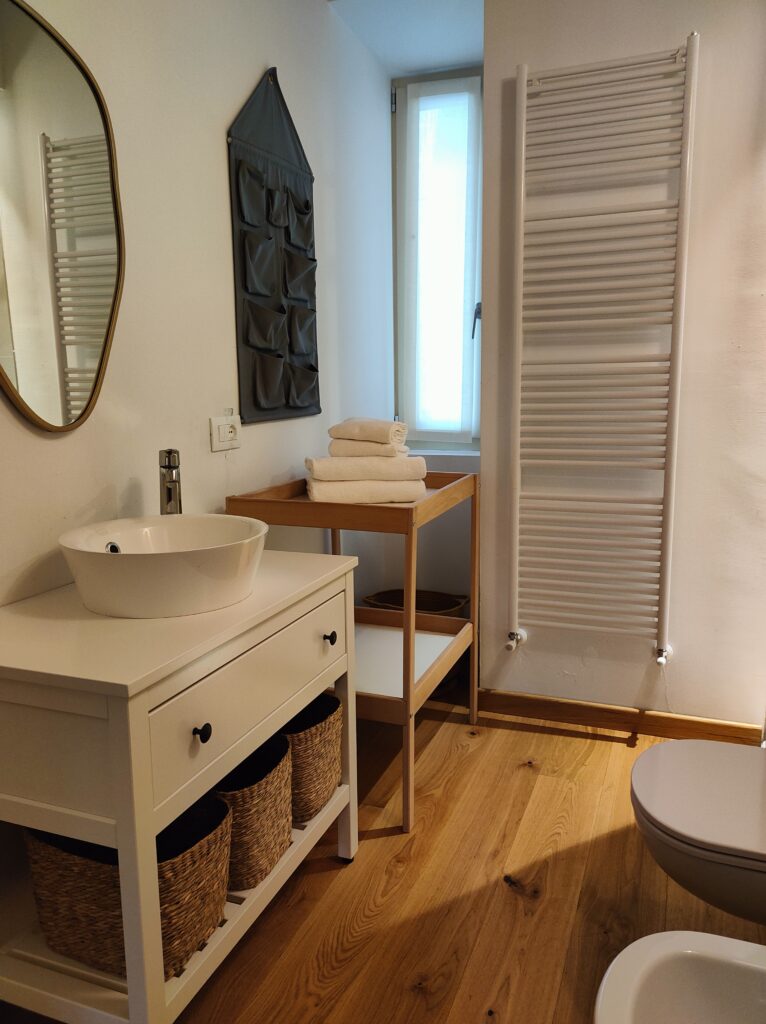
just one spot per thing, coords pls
(288, 505)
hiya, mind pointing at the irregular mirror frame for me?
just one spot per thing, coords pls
(61, 237)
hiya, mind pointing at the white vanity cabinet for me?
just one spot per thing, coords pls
(97, 742)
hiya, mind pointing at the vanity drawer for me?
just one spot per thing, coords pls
(236, 698)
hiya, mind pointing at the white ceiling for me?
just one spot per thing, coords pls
(413, 36)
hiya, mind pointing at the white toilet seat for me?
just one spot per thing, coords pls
(681, 845)
(701, 807)
(709, 797)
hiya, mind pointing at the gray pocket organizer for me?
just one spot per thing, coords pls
(251, 190)
(303, 390)
(269, 381)
(265, 328)
(278, 208)
(271, 188)
(260, 258)
(300, 277)
(303, 331)
(300, 223)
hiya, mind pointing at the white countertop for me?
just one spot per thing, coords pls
(53, 639)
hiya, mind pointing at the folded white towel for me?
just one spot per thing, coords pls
(358, 449)
(371, 468)
(382, 431)
(366, 492)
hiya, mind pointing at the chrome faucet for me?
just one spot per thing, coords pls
(170, 482)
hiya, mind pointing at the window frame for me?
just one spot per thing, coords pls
(443, 441)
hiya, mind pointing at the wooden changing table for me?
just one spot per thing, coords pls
(428, 645)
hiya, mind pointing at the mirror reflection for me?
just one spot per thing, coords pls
(58, 232)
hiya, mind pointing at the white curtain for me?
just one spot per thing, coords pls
(438, 222)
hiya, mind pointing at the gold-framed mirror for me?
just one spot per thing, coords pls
(61, 238)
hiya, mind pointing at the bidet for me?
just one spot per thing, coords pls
(685, 978)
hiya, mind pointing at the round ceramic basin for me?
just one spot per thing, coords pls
(162, 566)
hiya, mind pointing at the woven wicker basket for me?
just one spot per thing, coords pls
(258, 793)
(77, 890)
(314, 736)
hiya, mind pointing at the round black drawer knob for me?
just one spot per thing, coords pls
(331, 638)
(204, 732)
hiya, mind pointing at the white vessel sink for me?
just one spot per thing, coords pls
(685, 978)
(162, 566)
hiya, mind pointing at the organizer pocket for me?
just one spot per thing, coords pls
(260, 258)
(304, 387)
(251, 189)
(269, 381)
(303, 331)
(300, 276)
(278, 208)
(300, 225)
(264, 327)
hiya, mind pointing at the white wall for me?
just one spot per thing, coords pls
(719, 561)
(174, 76)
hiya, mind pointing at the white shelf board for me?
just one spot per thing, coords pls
(379, 654)
(59, 988)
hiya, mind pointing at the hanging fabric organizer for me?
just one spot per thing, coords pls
(272, 211)
(602, 175)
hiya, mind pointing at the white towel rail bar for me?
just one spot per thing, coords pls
(663, 123)
(539, 78)
(595, 362)
(619, 376)
(610, 215)
(626, 116)
(541, 108)
(614, 77)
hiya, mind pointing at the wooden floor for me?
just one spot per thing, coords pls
(523, 878)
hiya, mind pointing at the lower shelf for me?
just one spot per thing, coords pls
(379, 651)
(33, 977)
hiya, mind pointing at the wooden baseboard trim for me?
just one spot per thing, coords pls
(610, 716)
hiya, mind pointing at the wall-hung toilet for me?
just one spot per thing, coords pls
(701, 807)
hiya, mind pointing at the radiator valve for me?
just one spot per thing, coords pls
(663, 653)
(515, 638)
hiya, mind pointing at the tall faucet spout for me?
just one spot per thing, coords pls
(170, 481)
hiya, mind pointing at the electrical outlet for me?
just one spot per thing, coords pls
(224, 433)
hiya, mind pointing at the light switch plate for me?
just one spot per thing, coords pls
(225, 433)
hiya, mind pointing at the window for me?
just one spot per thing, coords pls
(438, 257)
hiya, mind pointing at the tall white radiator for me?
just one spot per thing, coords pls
(602, 174)
(82, 247)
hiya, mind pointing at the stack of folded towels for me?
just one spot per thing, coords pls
(368, 464)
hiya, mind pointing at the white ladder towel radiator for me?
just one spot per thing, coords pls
(602, 175)
(82, 247)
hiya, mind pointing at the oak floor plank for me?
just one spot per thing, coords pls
(623, 895)
(686, 912)
(514, 969)
(426, 955)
